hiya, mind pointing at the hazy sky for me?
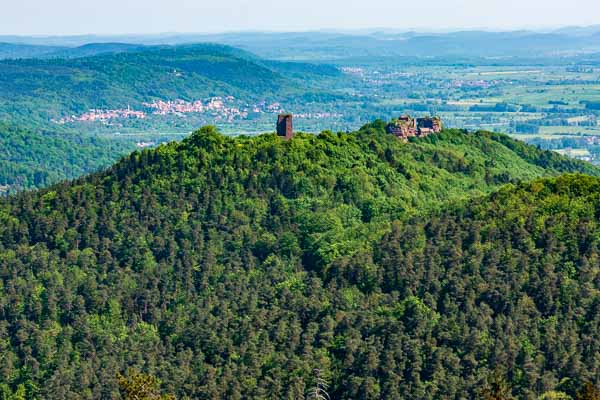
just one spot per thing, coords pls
(52, 17)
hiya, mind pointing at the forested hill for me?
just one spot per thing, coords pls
(33, 91)
(233, 267)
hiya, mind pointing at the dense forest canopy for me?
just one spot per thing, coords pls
(453, 266)
(31, 159)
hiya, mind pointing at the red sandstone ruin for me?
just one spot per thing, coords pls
(285, 127)
(405, 126)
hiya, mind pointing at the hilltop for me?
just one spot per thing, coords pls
(43, 100)
(233, 267)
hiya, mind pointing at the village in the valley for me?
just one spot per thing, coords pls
(218, 109)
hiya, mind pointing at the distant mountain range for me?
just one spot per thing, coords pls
(330, 45)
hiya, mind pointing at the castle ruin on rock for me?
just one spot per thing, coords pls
(403, 127)
(406, 126)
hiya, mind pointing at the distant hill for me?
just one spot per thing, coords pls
(93, 49)
(36, 90)
(19, 51)
(12, 50)
(235, 267)
(579, 30)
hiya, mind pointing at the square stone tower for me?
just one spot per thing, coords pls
(285, 127)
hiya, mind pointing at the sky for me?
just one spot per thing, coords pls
(69, 17)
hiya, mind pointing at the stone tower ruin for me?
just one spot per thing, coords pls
(285, 127)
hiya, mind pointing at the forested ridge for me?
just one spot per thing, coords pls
(454, 266)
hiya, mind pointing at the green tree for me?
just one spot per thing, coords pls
(139, 386)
